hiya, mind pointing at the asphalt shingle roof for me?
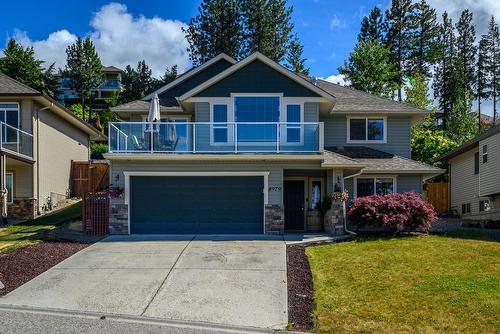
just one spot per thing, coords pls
(471, 143)
(138, 106)
(9, 86)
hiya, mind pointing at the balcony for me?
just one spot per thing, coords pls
(15, 141)
(111, 85)
(201, 137)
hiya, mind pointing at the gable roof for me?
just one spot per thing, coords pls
(470, 144)
(139, 106)
(12, 87)
(353, 100)
(190, 73)
(258, 56)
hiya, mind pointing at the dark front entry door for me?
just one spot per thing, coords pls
(293, 198)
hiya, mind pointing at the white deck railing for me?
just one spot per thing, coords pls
(16, 141)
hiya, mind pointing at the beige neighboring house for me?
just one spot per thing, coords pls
(474, 171)
(39, 138)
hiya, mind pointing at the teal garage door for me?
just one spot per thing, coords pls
(196, 204)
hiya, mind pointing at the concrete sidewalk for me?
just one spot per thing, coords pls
(233, 280)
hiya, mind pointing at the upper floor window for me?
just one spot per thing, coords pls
(219, 119)
(366, 129)
(476, 163)
(485, 154)
(9, 114)
(293, 115)
(256, 109)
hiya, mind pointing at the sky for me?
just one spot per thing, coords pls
(127, 31)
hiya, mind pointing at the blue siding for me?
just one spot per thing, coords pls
(410, 182)
(311, 112)
(398, 134)
(256, 77)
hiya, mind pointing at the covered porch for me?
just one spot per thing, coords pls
(18, 177)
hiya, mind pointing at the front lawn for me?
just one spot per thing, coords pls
(424, 284)
(33, 231)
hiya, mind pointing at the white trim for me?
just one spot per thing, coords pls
(375, 177)
(367, 141)
(266, 61)
(190, 73)
(265, 189)
(18, 127)
(300, 126)
(230, 119)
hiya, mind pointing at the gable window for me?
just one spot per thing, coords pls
(485, 154)
(366, 186)
(256, 109)
(9, 114)
(219, 129)
(476, 163)
(484, 205)
(465, 208)
(9, 185)
(366, 129)
(293, 118)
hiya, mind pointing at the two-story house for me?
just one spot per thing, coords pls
(474, 184)
(251, 147)
(38, 139)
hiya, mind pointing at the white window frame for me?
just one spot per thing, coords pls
(230, 119)
(284, 116)
(375, 177)
(11, 194)
(18, 118)
(484, 154)
(366, 141)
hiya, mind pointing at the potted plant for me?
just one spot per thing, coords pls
(116, 192)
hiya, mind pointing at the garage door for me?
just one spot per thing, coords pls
(196, 204)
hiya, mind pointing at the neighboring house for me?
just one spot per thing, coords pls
(112, 85)
(39, 138)
(250, 147)
(474, 170)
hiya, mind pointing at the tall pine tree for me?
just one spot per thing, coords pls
(400, 27)
(482, 77)
(294, 59)
(372, 27)
(216, 29)
(466, 53)
(492, 40)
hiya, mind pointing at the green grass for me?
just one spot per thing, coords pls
(425, 284)
(38, 229)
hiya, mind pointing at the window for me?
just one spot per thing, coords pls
(366, 186)
(220, 123)
(476, 163)
(9, 114)
(9, 185)
(316, 186)
(366, 129)
(465, 208)
(485, 154)
(293, 116)
(261, 109)
(484, 205)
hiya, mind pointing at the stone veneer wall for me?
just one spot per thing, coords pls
(274, 219)
(22, 208)
(334, 219)
(118, 218)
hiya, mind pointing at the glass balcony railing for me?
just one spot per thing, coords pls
(184, 137)
(111, 84)
(16, 141)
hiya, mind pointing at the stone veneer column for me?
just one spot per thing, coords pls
(22, 208)
(274, 219)
(334, 219)
(118, 218)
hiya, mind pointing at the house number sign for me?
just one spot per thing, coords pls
(274, 188)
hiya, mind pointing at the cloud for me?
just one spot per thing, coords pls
(481, 9)
(336, 23)
(336, 78)
(121, 39)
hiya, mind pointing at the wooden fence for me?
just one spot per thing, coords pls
(96, 213)
(437, 195)
(88, 177)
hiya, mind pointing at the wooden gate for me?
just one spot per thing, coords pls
(88, 177)
(96, 213)
(437, 195)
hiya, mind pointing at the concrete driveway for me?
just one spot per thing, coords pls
(227, 280)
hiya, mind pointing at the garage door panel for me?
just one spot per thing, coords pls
(196, 204)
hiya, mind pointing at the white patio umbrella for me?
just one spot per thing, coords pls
(154, 109)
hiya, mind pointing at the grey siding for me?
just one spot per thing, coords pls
(489, 172)
(398, 134)
(407, 183)
(256, 77)
(464, 184)
(311, 112)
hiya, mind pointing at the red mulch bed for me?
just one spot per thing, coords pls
(300, 288)
(25, 263)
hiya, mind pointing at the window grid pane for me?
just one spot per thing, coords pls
(365, 187)
(375, 129)
(357, 129)
(384, 186)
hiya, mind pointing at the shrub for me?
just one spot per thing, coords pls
(97, 150)
(394, 212)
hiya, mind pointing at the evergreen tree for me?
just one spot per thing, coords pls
(461, 122)
(481, 76)
(216, 29)
(170, 75)
(294, 59)
(425, 47)
(417, 94)
(492, 41)
(400, 27)
(466, 52)
(370, 69)
(137, 82)
(372, 27)
(268, 27)
(20, 64)
(84, 69)
(445, 87)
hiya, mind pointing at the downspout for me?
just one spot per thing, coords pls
(343, 189)
(38, 155)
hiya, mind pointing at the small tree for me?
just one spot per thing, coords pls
(369, 69)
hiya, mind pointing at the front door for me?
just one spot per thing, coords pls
(293, 198)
